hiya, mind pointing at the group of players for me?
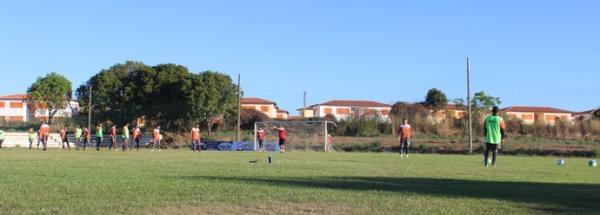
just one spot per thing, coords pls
(493, 125)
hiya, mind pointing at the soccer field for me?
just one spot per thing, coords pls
(182, 182)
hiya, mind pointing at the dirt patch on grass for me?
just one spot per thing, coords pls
(261, 208)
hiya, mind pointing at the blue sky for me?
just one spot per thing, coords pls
(525, 52)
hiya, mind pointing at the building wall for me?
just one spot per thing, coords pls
(268, 110)
(345, 112)
(308, 113)
(532, 117)
(526, 117)
(13, 110)
(550, 118)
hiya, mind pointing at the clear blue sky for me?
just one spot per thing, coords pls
(526, 52)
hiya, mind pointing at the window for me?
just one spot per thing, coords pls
(385, 112)
(16, 105)
(328, 110)
(15, 118)
(342, 111)
(264, 108)
(2, 104)
(550, 117)
(249, 107)
(527, 116)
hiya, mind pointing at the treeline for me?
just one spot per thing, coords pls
(168, 95)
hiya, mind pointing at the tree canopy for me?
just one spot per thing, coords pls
(167, 94)
(436, 99)
(49, 94)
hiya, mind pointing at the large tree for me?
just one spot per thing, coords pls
(212, 95)
(482, 101)
(49, 94)
(436, 99)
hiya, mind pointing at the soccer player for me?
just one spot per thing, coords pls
(156, 137)
(98, 136)
(86, 137)
(404, 135)
(31, 135)
(196, 139)
(282, 136)
(39, 138)
(125, 136)
(64, 139)
(113, 138)
(45, 133)
(137, 135)
(494, 133)
(260, 135)
(78, 132)
(2, 136)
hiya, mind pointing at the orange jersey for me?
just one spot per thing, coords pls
(136, 133)
(195, 133)
(405, 132)
(156, 134)
(45, 130)
(63, 133)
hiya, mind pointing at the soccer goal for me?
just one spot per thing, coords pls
(301, 135)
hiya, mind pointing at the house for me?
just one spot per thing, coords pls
(265, 106)
(452, 110)
(534, 114)
(15, 107)
(585, 115)
(344, 109)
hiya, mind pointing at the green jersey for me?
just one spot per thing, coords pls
(126, 132)
(31, 135)
(99, 131)
(78, 132)
(493, 134)
(2, 135)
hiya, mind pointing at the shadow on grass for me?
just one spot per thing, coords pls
(547, 197)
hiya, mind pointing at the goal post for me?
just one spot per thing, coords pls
(301, 135)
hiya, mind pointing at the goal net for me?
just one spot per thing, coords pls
(301, 135)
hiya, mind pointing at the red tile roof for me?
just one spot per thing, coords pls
(587, 111)
(534, 109)
(354, 103)
(256, 101)
(20, 96)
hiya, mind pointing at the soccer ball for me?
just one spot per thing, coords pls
(561, 162)
(592, 163)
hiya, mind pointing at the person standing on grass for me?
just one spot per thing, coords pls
(98, 136)
(329, 143)
(78, 132)
(39, 138)
(31, 136)
(125, 137)
(260, 135)
(494, 133)
(404, 136)
(156, 137)
(2, 136)
(113, 138)
(45, 133)
(137, 135)
(64, 138)
(86, 137)
(195, 134)
(282, 136)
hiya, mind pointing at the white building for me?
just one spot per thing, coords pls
(16, 108)
(344, 109)
(265, 106)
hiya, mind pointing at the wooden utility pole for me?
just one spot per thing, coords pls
(239, 109)
(470, 124)
(304, 106)
(90, 107)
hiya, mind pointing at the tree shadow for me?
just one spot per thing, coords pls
(548, 197)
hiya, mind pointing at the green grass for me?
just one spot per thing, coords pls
(180, 182)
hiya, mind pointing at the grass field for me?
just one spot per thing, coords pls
(182, 182)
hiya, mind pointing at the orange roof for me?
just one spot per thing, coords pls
(19, 96)
(534, 109)
(354, 103)
(453, 107)
(256, 101)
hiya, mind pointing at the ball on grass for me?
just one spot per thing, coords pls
(592, 163)
(561, 162)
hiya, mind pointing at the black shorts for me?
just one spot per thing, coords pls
(490, 146)
(281, 142)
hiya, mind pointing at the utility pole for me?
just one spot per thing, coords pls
(239, 109)
(304, 106)
(90, 107)
(469, 107)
